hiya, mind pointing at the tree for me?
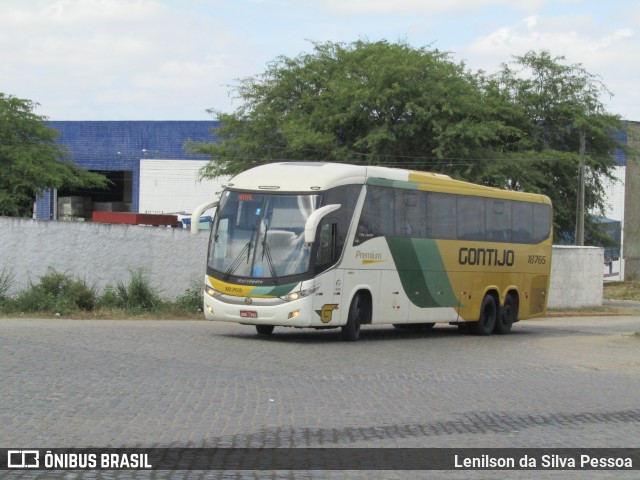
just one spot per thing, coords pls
(392, 104)
(373, 103)
(31, 160)
(562, 124)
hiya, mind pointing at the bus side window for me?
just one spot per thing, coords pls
(470, 218)
(378, 213)
(441, 216)
(541, 222)
(522, 222)
(407, 219)
(365, 223)
(498, 214)
(424, 204)
(347, 196)
(386, 211)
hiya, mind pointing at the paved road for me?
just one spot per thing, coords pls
(557, 382)
(630, 304)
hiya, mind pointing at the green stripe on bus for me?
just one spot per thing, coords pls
(383, 182)
(422, 272)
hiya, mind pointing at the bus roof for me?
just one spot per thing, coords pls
(319, 176)
(299, 176)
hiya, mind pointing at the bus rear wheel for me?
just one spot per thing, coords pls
(508, 315)
(488, 316)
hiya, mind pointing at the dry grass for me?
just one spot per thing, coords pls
(622, 291)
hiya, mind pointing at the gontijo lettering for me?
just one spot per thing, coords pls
(486, 256)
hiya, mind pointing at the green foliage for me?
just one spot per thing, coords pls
(136, 296)
(56, 293)
(31, 160)
(374, 103)
(191, 301)
(395, 105)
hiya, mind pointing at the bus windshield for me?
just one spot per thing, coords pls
(260, 235)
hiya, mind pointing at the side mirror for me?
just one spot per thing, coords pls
(313, 221)
(197, 213)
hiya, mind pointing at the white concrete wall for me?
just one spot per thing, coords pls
(102, 254)
(576, 277)
(174, 260)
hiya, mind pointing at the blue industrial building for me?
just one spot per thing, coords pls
(619, 156)
(115, 149)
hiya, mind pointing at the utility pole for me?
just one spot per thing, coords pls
(581, 180)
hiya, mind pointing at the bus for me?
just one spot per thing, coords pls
(326, 245)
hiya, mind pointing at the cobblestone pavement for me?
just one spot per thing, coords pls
(556, 382)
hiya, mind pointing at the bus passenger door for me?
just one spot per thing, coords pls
(327, 301)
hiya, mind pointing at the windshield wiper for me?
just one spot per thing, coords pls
(236, 263)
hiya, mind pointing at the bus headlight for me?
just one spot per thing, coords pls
(212, 292)
(290, 297)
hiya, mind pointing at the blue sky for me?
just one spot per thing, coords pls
(172, 60)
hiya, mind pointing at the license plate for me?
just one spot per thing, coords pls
(248, 314)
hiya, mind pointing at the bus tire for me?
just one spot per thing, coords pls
(264, 329)
(508, 315)
(351, 330)
(488, 316)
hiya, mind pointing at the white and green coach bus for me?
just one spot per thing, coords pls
(326, 245)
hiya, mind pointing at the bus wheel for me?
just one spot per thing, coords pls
(508, 315)
(488, 315)
(357, 311)
(264, 329)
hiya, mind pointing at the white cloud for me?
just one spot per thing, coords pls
(576, 35)
(399, 7)
(601, 47)
(83, 59)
